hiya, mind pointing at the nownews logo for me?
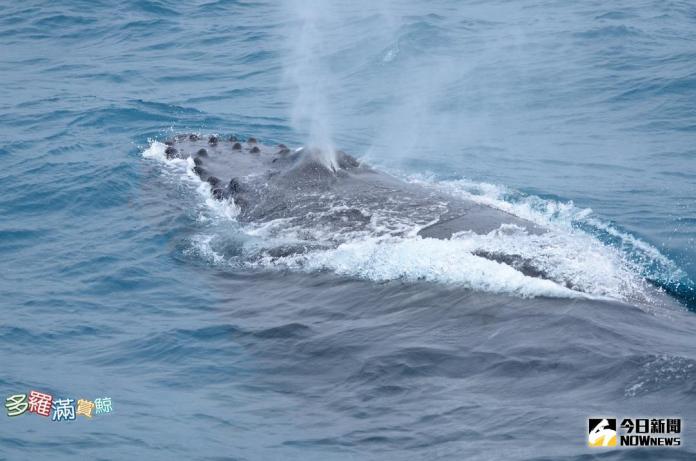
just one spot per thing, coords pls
(635, 432)
(602, 432)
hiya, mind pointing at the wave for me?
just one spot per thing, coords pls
(580, 256)
(582, 227)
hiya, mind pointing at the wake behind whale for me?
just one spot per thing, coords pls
(291, 210)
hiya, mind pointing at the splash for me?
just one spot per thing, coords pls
(580, 225)
(182, 171)
(309, 76)
(569, 260)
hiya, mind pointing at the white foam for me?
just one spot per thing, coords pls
(660, 372)
(547, 213)
(630, 260)
(213, 209)
(578, 261)
(571, 261)
(156, 151)
(201, 245)
(571, 266)
(391, 53)
(415, 258)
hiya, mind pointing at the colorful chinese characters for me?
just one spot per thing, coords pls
(85, 407)
(16, 404)
(59, 409)
(40, 403)
(63, 410)
(103, 405)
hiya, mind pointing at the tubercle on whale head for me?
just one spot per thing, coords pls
(333, 159)
(171, 152)
(308, 166)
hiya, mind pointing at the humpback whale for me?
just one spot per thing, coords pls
(275, 182)
(313, 200)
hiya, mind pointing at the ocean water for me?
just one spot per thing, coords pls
(121, 278)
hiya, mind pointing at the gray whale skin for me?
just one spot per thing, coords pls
(272, 182)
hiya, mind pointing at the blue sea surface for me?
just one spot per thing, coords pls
(582, 114)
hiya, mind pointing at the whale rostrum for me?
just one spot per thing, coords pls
(274, 182)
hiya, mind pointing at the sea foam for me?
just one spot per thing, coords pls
(565, 261)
